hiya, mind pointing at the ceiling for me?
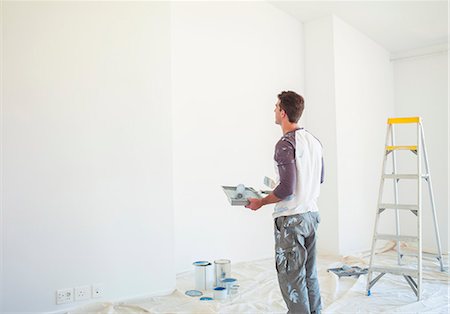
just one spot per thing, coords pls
(398, 26)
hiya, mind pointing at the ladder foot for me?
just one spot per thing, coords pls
(368, 293)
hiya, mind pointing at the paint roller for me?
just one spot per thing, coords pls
(240, 191)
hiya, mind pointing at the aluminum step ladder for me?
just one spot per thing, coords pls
(419, 149)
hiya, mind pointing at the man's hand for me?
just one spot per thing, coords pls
(254, 203)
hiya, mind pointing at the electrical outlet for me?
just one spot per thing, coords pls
(97, 290)
(64, 296)
(82, 293)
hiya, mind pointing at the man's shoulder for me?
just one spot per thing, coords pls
(287, 139)
(285, 149)
(311, 136)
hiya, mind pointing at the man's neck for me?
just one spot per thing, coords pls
(288, 127)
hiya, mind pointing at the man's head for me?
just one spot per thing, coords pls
(289, 106)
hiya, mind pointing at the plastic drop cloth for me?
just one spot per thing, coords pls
(259, 292)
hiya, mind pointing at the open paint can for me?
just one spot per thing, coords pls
(229, 283)
(204, 275)
(220, 293)
(222, 270)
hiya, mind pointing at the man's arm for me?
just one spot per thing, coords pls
(322, 175)
(257, 203)
(287, 169)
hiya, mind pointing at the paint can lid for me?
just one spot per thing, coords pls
(201, 263)
(193, 293)
(222, 261)
(229, 280)
(206, 299)
(219, 288)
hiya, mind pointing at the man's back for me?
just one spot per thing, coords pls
(307, 156)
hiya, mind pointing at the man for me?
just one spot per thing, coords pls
(298, 157)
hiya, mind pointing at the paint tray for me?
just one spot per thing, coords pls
(348, 271)
(249, 192)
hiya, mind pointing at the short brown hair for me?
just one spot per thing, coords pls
(293, 104)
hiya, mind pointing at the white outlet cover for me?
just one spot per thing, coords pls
(64, 296)
(82, 293)
(97, 290)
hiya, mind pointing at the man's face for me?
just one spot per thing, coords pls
(278, 112)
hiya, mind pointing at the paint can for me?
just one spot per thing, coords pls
(204, 275)
(222, 270)
(233, 290)
(228, 283)
(220, 293)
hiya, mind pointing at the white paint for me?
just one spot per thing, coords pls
(349, 88)
(86, 137)
(421, 89)
(229, 62)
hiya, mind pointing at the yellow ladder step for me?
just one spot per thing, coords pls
(403, 120)
(412, 147)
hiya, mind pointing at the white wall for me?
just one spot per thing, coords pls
(364, 101)
(229, 62)
(349, 85)
(320, 114)
(86, 137)
(421, 89)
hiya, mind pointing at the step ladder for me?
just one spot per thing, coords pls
(418, 150)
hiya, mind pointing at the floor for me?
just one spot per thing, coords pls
(259, 292)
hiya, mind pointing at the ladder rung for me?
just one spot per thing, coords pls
(424, 255)
(401, 147)
(394, 237)
(399, 206)
(401, 176)
(403, 120)
(395, 270)
(404, 176)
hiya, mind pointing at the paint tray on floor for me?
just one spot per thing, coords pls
(347, 271)
(239, 195)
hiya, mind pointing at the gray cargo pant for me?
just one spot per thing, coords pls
(295, 254)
